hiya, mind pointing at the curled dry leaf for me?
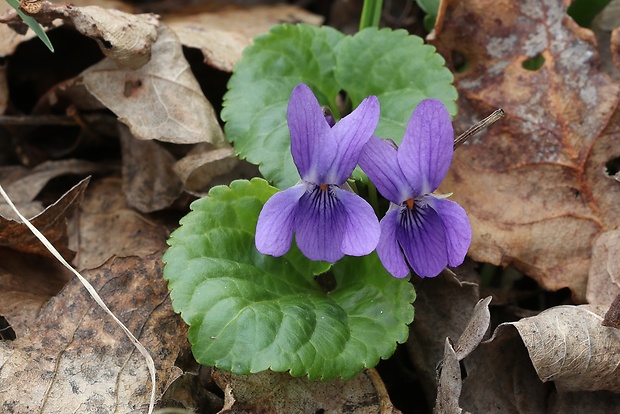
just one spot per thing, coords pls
(162, 100)
(604, 276)
(278, 392)
(568, 345)
(449, 383)
(443, 310)
(535, 185)
(222, 34)
(124, 37)
(474, 331)
(52, 222)
(198, 168)
(149, 183)
(75, 358)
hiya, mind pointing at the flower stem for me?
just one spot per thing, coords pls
(371, 13)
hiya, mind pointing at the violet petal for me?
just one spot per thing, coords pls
(388, 249)
(319, 224)
(361, 232)
(379, 161)
(312, 143)
(456, 226)
(421, 236)
(428, 144)
(275, 227)
(351, 133)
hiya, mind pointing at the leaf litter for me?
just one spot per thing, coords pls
(536, 187)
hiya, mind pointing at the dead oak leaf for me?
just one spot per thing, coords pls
(52, 222)
(75, 358)
(535, 186)
(161, 100)
(278, 392)
(223, 33)
(121, 36)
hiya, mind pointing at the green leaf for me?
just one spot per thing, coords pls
(249, 312)
(584, 11)
(430, 7)
(399, 69)
(33, 24)
(259, 90)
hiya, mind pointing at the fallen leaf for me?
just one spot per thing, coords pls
(162, 100)
(274, 392)
(449, 383)
(75, 358)
(22, 184)
(598, 402)
(149, 182)
(474, 331)
(223, 33)
(52, 222)
(202, 164)
(604, 275)
(535, 185)
(123, 37)
(127, 232)
(568, 345)
(501, 378)
(443, 310)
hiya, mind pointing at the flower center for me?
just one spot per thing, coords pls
(323, 187)
(409, 204)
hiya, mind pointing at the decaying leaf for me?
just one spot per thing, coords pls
(449, 383)
(443, 309)
(52, 222)
(223, 33)
(535, 186)
(162, 100)
(569, 345)
(23, 185)
(149, 182)
(75, 358)
(123, 37)
(276, 392)
(474, 331)
(501, 378)
(604, 276)
(203, 163)
(127, 232)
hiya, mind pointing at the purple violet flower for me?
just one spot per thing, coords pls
(421, 229)
(329, 220)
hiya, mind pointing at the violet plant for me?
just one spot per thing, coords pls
(286, 277)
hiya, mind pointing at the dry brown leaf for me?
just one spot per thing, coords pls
(125, 231)
(26, 283)
(75, 358)
(443, 310)
(568, 345)
(203, 163)
(121, 36)
(604, 276)
(52, 222)
(599, 402)
(222, 34)
(162, 100)
(449, 383)
(474, 331)
(501, 378)
(149, 182)
(276, 392)
(23, 185)
(535, 186)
